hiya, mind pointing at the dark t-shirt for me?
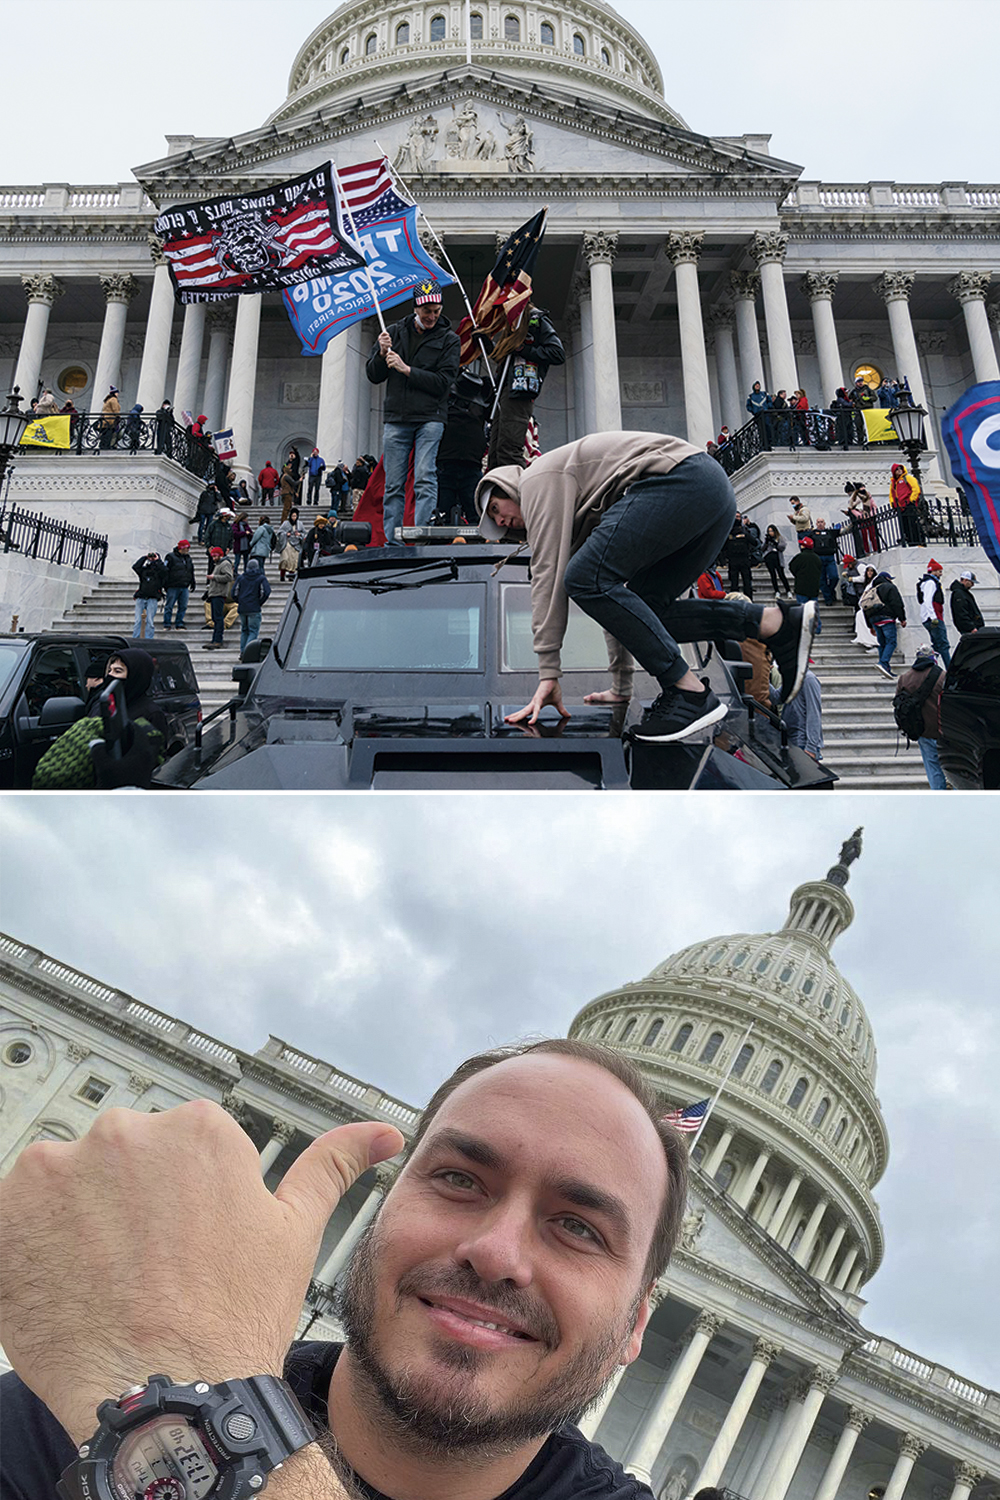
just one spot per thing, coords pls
(34, 1448)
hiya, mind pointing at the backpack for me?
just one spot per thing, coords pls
(908, 706)
(870, 600)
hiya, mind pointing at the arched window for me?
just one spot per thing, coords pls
(857, 1032)
(821, 1111)
(800, 1230)
(786, 974)
(798, 1093)
(547, 35)
(854, 1147)
(763, 964)
(605, 57)
(838, 1134)
(742, 1062)
(716, 956)
(403, 34)
(725, 1175)
(711, 1047)
(607, 1029)
(653, 1033)
(771, 1077)
(476, 26)
(808, 985)
(628, 1030)
(371, 44)
(579, 46)
(870, 374)
(682, 1038)
(438, 28)
(345, 56)
(828, 999)
(740, 959)
(511, 29)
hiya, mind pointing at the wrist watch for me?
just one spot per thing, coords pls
(162, 1441)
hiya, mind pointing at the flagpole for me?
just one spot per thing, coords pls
(401, 183)
(715, 1096)
(345, 210)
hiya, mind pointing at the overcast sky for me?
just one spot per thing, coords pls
(849, 92)
(393, 936)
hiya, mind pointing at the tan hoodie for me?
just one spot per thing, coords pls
(563, 496)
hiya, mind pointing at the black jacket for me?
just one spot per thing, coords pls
(207, 501)
(965, 612)
(542, 346)
(892, 600)
(152, 578)
(738, 548)
(219, 533)
(825, 541)
(421, 396)
(252, 590)
(180, 570)
(807, 570)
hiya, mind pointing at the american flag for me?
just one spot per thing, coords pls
(688, 1118)
(506, 291)
(369, 193)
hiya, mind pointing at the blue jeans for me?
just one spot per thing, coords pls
(399, 439)
(145, 609)
(650, 546)
(804, 599)
(938, 632)
(217, 605)
(175, 598)
(829, 579)
(932, 765)
(886, 637)
(249, 629)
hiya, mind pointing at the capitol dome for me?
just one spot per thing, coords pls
(582, 46)
(797, 1139)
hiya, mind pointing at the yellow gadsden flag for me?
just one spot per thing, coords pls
(878, 426)
(47, 432)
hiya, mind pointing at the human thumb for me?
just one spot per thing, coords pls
(317, 1180)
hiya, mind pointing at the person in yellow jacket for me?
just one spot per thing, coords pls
(904, 492)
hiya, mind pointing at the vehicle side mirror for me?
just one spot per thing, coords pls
(60, 713)
(255, 652)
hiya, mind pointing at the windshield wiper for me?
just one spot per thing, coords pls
(385, 585)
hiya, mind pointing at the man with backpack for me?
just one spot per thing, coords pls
(915, 709)
(882, 606)
(930, 598)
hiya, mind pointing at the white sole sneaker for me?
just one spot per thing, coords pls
(711, 717)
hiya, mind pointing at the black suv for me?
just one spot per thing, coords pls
(35, 668)
(396, 671)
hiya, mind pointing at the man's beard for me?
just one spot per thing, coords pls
(456, 1423)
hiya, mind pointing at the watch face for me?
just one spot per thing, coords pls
(166, 1459)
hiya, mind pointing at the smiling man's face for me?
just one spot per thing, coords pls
(503, 1282)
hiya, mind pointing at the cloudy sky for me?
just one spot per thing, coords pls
(851, 93)
(395, 935)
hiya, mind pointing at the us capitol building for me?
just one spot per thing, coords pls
(757, 1371)
(679, 267)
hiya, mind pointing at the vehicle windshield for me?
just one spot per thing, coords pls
(436, 628)
(583, 648)
(10, 656)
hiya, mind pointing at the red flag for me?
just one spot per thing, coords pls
(369, 507)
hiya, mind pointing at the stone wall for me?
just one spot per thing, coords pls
(34, 593)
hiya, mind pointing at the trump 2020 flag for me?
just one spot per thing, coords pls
(324, 307)
(257, 242)
(971, 431)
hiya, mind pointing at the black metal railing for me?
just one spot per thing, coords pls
(936, 522)
(40, 537)
(820, 430)
(93, 432)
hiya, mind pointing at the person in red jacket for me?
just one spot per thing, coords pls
(268, 479)
(710, 585)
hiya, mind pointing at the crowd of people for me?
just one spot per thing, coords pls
(792, 421)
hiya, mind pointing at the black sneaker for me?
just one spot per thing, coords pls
(675, 715)
(790, 645)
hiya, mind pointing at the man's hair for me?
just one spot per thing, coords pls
(668, 1225)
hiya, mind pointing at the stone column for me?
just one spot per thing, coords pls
(910, 1449)
(722, 320)
(856, 1277)
(993, 318)
(966, 1479)
(189, 359)
(821, 1382)
(574, 392)
(646, 1447)
(822, 1270)
(221, 321)
(745, 1191)
(802, 1252)
(768, 250)
(588, 420)
(819, 287)
(683, 249)
(776, 1220)
(283, 1131)
(718, 1151)
(590, 1422)
(894, 288)
(336, 421)
(745, 1478)
(42, 291)
(970, 288)
(600, 250)
(119, 289)
(243, 382)
(711, 1470)
(844, 1269)
(744, 285)
(857, 1421)
(794, 1399)
(156, 348)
